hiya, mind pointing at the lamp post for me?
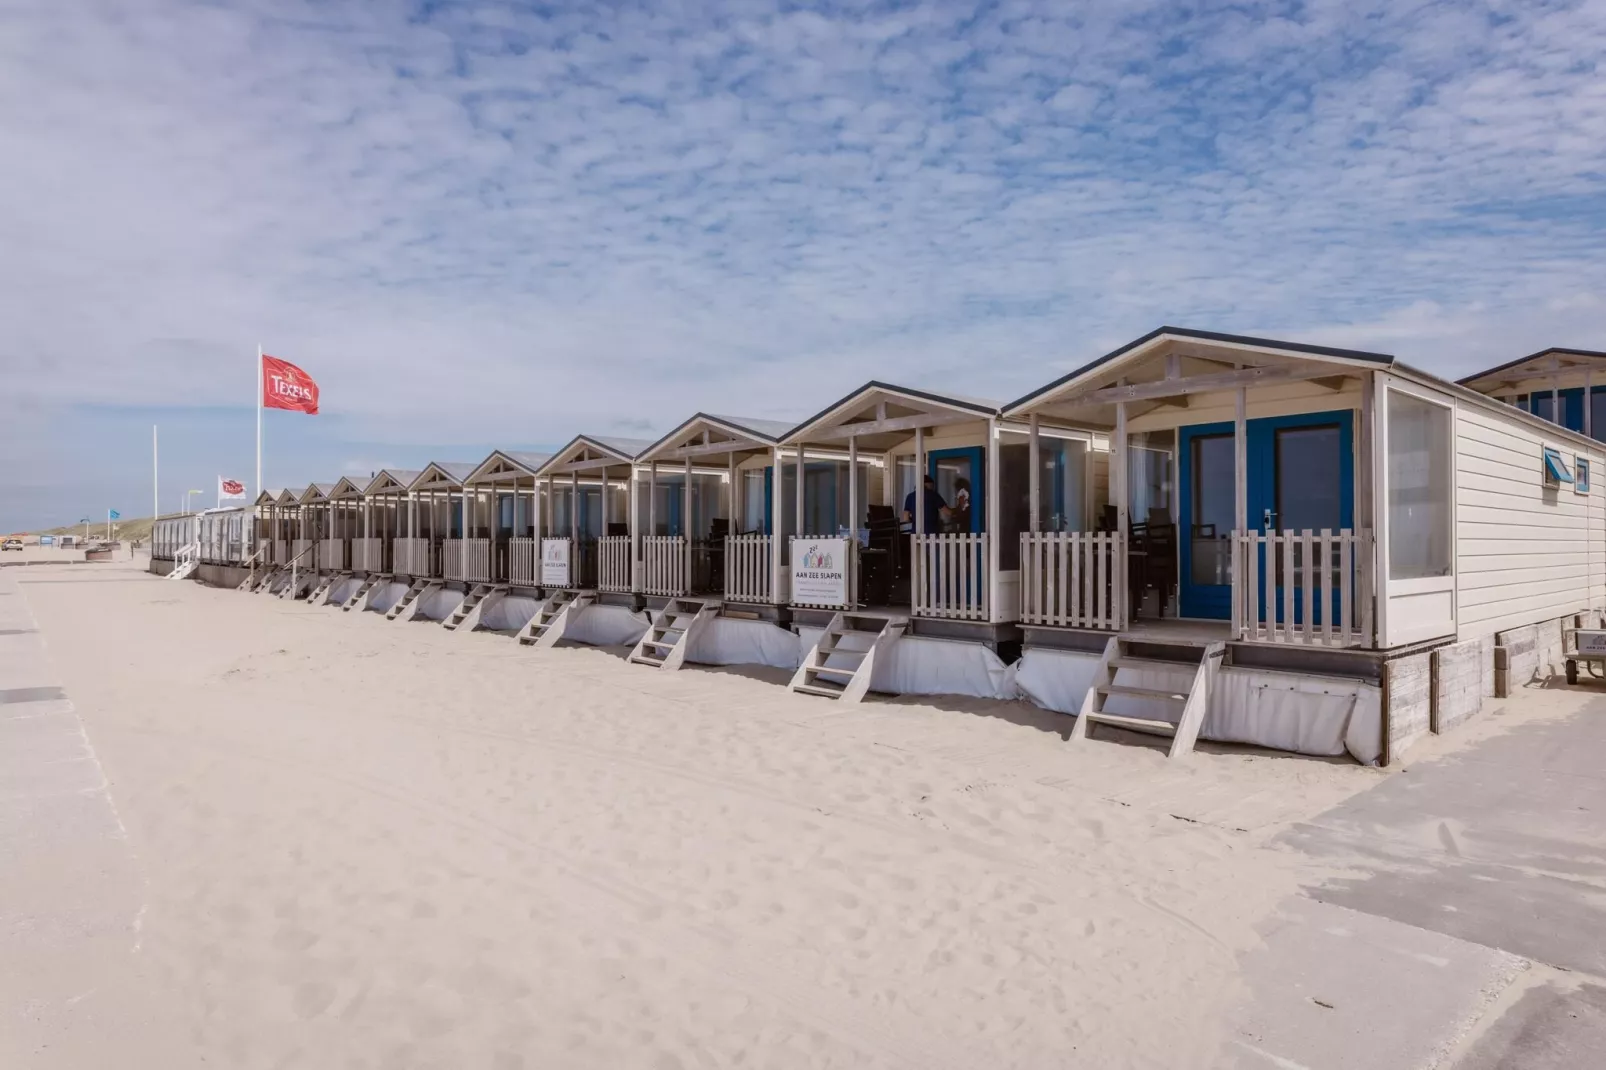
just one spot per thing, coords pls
(185, 508)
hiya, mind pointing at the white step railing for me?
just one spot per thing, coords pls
(748, 571)
(1070, 579)
(368, 555)
(614, 572)
(949, 576)
(332, 555)
(476, 569)
(663, 565)
(411, 557)
(1311, 588)
(299, 555)
(524, 562)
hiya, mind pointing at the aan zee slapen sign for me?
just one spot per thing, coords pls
(820, 572)
(554, 562)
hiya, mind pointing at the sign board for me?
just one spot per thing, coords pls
(1591, 642)
(47, 540)
(554, 562)
(820, 572)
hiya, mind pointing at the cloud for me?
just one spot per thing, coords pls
(463, 216)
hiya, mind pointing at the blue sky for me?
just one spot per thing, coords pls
(497, 224)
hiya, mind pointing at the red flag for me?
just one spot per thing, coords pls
(285, 386)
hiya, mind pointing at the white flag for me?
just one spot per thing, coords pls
(229, 488)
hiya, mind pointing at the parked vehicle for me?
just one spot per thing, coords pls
(11, 544)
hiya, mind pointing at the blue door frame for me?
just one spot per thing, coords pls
(978, 481)
(1214, 601)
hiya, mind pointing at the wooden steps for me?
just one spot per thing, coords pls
(552, 618)
(672, 631)
(408, 605)
(1187, 692)
(326, 587)
(475, 600)
(832, 670)
(297, 585)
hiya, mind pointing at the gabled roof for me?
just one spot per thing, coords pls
(347, 487)
(289, 497)
(1141, 347)
(451, 473)
(908, 397)
(744, 432)
(502, 461)
(392, 480)
(613, 450)
(1577, 357)
(267, 497)
(317, 492)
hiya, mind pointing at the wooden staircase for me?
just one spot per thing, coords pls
(552, 618)
(294, 587)
(1186, 690)
(671, 633)
(831, 669)
(185, 562)
(359, 597)
(326, 586)
(467, 614)
(407, 605)
(257, 580)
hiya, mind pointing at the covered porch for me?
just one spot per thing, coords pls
(433, 524)
(504, 496)
(585, 521)
(895, 499)
(385, 516)
(710, 527)
(265, 527)
(1229, 489)
(315, 519)
(341, 534)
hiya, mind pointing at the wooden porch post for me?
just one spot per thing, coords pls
(1035, 460)
(574, 511)
(1589, 375)
(994, 512)
(463, 546)
(797, 518)
(918, 521)
(1248, 617)
(777, 490)
(652, 499)
(1369, 578)
(686, 526)
(1118, 488)
(633, 526)
(853, 486)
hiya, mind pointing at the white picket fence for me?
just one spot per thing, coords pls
(1311, 588)
(949, 577)
(663, 565)
(614, 565)
(411, 557)
(477, 567)
(524, 561)
(332, 555)
(368, 555)
(1070, 579)
(748, 571)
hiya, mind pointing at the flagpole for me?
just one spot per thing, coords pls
(259, 418)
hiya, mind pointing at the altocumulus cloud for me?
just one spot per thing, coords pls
(581, 217)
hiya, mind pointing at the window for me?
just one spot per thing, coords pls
(1581, 475)
(754, 507)
(1555, 469)
(1419, 488)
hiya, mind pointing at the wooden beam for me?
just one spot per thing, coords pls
(897, 423)
(731, 445)
(1334, 383)
(1200, 384)
(583, 466)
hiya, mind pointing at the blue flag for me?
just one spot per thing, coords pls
(113, 514)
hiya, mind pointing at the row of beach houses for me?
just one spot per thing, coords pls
(1197, 535)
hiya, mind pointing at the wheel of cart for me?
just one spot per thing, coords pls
(1586, 646)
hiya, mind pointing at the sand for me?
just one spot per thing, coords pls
(353, 843)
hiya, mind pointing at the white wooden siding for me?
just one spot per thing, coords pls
(1524, 553)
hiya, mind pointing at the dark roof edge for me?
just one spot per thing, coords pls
(757, 436)
(876, 384)
(1464, 380)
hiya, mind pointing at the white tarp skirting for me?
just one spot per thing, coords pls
(732, 641)
(385, 595)
(439, 604)
(343, 590)
(916, 665)
(509, 613)
(606, 626)
(1303, 714)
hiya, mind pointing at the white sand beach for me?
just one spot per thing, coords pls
(353, 843)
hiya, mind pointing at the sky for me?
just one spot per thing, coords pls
(484, 224)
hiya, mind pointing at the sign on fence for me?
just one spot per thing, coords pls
(554, 562)
(820, 572)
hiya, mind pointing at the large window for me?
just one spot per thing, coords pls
(1420, 484)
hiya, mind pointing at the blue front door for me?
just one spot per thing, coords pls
(958, 474)
(1301, 476)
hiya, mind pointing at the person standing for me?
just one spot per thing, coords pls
(937, 511)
